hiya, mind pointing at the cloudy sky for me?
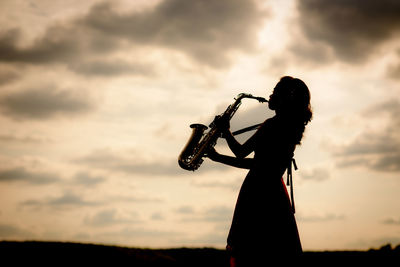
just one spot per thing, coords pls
(96, 99)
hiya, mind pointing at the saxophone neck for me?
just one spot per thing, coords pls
(240, 96)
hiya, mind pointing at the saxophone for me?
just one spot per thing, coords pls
(200, 142)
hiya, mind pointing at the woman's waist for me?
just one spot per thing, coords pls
(263, 177)
(270, 169)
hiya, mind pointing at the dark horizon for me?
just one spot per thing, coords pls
(33, 252)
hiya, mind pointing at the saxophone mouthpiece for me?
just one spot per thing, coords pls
(261, 99)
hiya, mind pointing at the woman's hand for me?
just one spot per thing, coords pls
(223, 124)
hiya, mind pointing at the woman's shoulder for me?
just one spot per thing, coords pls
(270, 122)
(273, 127)
(267, 126)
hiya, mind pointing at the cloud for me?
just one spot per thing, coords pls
(157, 216)
(185, 210)
(112, 68)
(8, 75)
(391, 221)
(7, 138)
(138, 198)
(393, 70)
(376, 148)
(8, 231)
(354, 30)
(86, 179)
(105, 159)
(69, 199)
(44, 103)
(143, 235)
(66, 200)
(213, 238)
(109, 217)
(215, 183)
(320, 218)
(205, 31)
(133, 163)
(136, 164)
(20, 174)
(216, 214)
(56, 45)
(315, 174)
(74, 46)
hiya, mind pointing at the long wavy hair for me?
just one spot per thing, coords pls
(294, 104)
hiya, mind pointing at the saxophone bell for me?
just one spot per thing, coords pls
(187, 159)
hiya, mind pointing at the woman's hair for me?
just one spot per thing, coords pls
(295, 104)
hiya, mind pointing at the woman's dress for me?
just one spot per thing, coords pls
(263, 222)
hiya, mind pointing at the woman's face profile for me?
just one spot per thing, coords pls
(273, 101)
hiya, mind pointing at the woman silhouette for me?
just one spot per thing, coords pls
(263, 224)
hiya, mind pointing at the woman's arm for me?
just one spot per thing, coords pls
(243, 163)
(240, 150)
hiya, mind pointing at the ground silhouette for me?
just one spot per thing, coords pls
(34, 253)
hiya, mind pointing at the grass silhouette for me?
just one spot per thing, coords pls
(39, 253)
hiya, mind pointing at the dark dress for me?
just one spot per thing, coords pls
(263, 223)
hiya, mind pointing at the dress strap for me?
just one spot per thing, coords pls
(250, 128)
(289, 180)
